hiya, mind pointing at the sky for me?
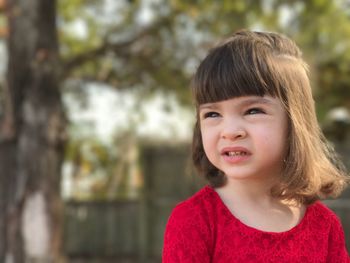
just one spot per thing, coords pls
(108, 112)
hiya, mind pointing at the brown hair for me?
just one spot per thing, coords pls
(261, 63)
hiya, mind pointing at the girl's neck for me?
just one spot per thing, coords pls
(252, 203)
(247, 191)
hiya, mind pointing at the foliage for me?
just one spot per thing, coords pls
(322, 28)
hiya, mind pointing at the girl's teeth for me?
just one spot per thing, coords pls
(236, 153)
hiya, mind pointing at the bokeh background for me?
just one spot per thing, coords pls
(96, 115)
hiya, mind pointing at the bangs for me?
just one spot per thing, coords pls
(234, 70)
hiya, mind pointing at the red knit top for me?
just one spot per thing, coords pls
(202, 229)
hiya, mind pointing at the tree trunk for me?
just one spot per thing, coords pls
(31, 136)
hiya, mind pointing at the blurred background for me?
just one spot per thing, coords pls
(96, 115)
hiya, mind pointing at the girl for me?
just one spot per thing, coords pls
(258, 143)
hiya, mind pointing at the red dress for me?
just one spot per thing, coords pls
(202, 229)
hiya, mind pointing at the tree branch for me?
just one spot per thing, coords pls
(118, 48)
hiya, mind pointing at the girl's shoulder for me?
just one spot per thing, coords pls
(320, 213)
(200, 207)
(201, 200)
(188, 233)
(320, 209)
(328, 224)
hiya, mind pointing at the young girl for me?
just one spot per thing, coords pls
(258, 143)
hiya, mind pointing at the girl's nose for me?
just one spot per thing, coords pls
(233, 133)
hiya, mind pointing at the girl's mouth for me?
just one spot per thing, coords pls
(235, 151)
(236, 154)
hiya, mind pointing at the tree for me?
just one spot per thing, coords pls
(32, 135)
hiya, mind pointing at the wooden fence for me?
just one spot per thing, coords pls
(132, 231)
(103, 230)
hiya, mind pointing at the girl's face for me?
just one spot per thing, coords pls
(245, 137)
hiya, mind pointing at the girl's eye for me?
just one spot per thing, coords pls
(254, 111)
(211, 114)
